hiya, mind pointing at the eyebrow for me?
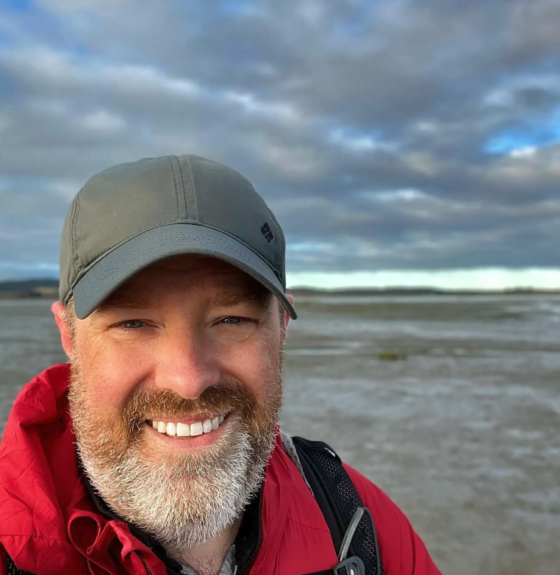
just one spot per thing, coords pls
(123, 303)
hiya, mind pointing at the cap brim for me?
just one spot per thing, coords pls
(111, 271)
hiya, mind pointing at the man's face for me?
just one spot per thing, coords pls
(175, 395)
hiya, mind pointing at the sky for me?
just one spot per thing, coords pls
(399, 142)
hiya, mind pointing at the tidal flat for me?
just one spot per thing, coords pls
(451, 404)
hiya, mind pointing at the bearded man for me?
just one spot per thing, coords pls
(157, 448)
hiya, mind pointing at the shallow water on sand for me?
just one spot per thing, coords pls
(450, 404)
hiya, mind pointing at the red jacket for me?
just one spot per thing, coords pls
(49, 526)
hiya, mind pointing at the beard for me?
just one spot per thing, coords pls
(180, 498)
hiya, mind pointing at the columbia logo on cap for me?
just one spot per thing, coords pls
(267, 233)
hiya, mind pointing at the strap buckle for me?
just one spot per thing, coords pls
(350, 566)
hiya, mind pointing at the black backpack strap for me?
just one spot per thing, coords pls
(339, 500)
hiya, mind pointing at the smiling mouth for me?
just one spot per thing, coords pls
(180, 429)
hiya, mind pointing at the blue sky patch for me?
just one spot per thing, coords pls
(18, 5)
(236, 7)
(529, 137)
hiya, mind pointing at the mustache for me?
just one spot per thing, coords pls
(148, 404)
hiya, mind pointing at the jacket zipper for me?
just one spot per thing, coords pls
(255, 553)
(144, 563)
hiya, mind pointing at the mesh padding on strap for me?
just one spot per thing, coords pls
(335, 479)
(12, 569)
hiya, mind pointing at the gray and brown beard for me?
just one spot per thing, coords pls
(180, 499)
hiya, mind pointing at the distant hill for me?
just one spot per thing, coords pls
(367, 291)
(416, 291)
(48, 288)
(35, 288)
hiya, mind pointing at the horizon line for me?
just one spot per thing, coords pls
(452, 280)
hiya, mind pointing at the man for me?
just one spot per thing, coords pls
(157, 449)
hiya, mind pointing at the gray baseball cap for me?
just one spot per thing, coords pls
(132, 215)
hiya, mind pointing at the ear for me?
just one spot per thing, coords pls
(67, 344)
(287, 317)
(291, 300)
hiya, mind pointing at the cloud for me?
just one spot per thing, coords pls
(387, 135)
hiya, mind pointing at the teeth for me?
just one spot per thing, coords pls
(179, 429)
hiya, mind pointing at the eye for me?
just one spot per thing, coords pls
(235, 320)
(131, 324)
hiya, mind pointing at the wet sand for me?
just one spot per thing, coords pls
(450, 404)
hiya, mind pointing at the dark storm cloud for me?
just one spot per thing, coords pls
(394, 134)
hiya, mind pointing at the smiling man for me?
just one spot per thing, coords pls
(157, 448)
(175, 397)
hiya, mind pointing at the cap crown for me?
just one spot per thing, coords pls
(130, 199)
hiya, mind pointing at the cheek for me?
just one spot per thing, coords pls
(256, 364)
(111, 372)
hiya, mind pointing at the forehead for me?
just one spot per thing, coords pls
(186, 275)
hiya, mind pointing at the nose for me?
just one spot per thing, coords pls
(186, 364)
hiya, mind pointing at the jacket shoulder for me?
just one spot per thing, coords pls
(402, 550)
